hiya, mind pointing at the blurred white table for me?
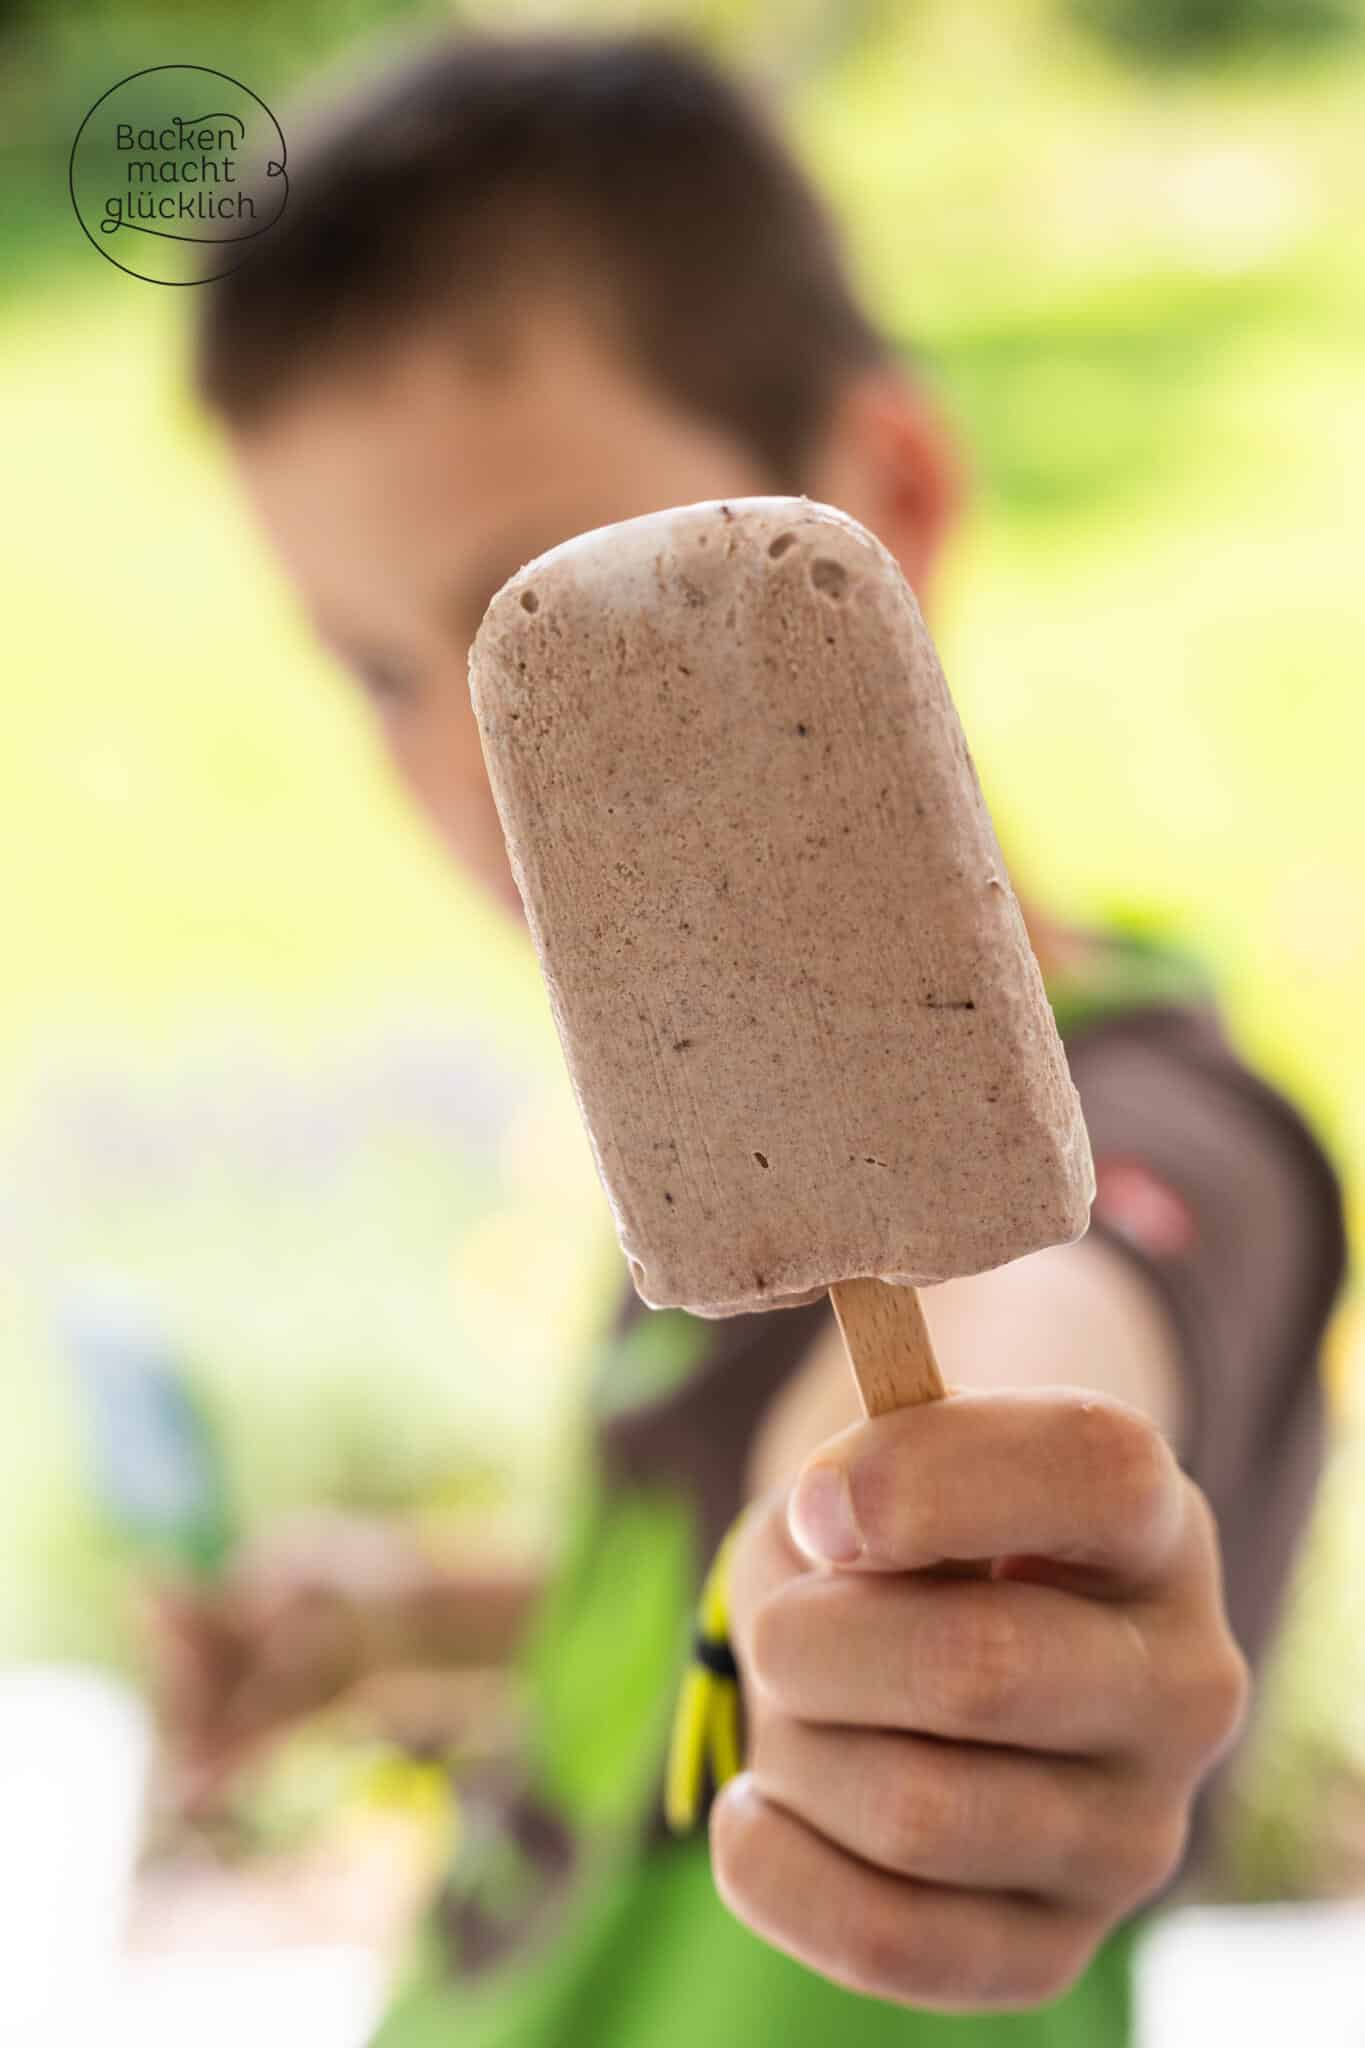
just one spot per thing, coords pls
(75, 1749)
(74, 1753)
(1256, 1975)
(280, 1998)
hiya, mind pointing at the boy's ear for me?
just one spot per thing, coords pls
(890, 460)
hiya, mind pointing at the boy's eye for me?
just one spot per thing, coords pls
(387, 682)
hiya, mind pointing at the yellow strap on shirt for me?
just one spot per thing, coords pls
(706, 1718)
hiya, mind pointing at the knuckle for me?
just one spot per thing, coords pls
(1237, 1697)
(765, 1652)
(910, 1814)
(1217, 1704)
(1008, 1969)
(990, 1975)
(1201, 1510)
(1130, 1461)
(877, 1956)
(985, 1663)
(1053, 1963)
(888, 1955)
(752, 1573)
(736, 1841)
(1166, 1845)
(1000, 1968)
(1143, 1855)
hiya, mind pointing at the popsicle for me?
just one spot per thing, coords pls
(796, 995)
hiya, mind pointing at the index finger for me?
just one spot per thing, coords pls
(1061, 1473)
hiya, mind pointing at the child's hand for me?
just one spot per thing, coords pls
(233, 1665)
(325, 1604)
(956, 1787)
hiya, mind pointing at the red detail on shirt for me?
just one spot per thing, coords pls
(1134, 1201)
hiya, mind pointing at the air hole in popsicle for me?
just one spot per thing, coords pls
(529, 601)
(829, 576)
(778, 546)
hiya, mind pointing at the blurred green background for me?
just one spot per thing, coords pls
(263, 1059)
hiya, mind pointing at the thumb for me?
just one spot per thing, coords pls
(821, 1518)
(848, 1500)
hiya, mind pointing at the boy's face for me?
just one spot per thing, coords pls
(401, 495)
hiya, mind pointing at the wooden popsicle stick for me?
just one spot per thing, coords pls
(892, 1355)
(888, 1345)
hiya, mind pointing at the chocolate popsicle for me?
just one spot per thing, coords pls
(801, 1014)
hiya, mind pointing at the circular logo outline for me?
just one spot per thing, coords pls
(279, 169)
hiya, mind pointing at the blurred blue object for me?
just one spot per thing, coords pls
(156, 1461)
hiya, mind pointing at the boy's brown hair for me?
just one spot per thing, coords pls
(625, 171)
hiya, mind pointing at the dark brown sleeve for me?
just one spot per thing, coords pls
(1215, 1186)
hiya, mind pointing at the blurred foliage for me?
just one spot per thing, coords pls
(1138, 290)
(1297, 1825)
(1176, 30)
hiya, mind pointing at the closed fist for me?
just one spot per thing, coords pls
(957, 1783)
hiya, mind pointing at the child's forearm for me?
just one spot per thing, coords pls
(1077, 1315)
(461, 1618)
